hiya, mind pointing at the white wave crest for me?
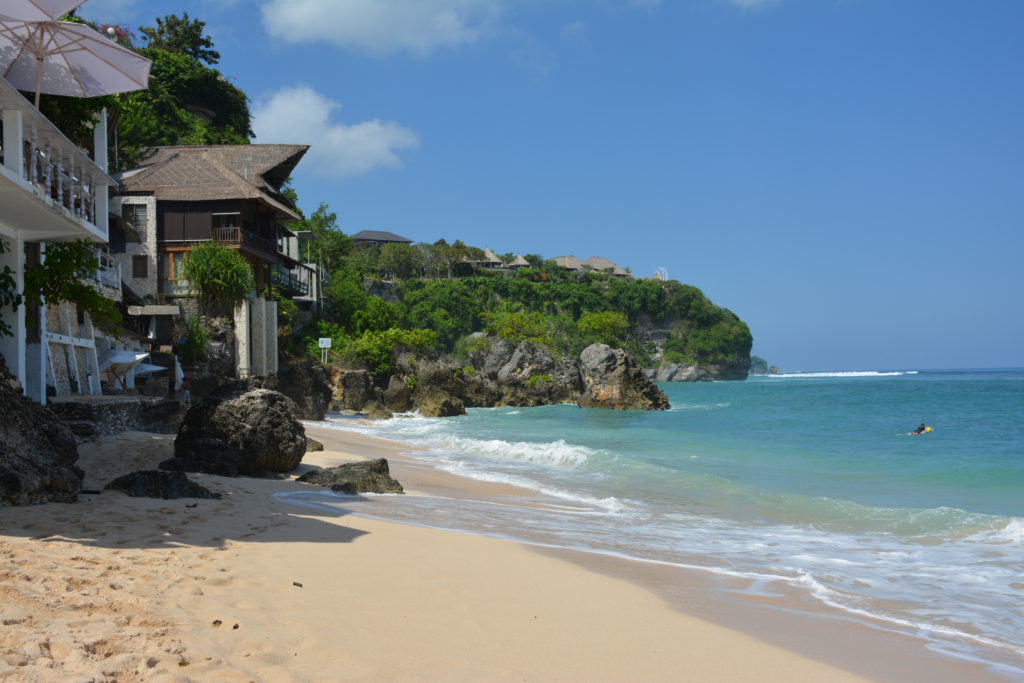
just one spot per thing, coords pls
(557, 453)
(852, 373)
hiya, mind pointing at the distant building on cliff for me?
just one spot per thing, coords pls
(378, 238)
(595, 263)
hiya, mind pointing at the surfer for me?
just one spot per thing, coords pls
(920, 430)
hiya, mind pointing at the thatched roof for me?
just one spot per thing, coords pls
(518, 262)
(218, 172)
(602, 264)
(568, 262)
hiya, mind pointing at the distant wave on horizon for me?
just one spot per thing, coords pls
(851, 373)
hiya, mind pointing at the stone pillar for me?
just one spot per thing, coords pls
(243, 355)
(272, 336)
(13, 348)
(258, 337)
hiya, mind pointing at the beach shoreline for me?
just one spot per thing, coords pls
(141, 589)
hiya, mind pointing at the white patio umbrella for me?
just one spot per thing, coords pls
(36, 10)
(65, 58)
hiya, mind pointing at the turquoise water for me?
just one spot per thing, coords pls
(806, 480)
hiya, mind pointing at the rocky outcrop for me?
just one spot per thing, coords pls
(612, 379)
(350, 389)
(709, 372)
(157, 484)
(436, 402)
(252, 434)
(37, 450)
(522, 374)
(304, 383)
(369, 476)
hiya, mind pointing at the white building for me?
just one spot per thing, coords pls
(51, 191)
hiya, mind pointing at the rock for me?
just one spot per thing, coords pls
(376, 411)
(433, 401)
(350, 389)
(157, 484)
(397, 398)
(304, 383)
(524, 374)
(250, 434)
(369, 476)
(313, 445)
(37, 450)
(612, 379)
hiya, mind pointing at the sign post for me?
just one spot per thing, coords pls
(325, 343)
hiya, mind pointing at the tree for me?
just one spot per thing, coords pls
(218, 276)
(331, 245)
(182, 36)
(62, 276)
(607, 327)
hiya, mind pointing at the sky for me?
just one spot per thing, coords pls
(847, 176)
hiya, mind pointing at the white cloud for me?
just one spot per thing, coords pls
(300, 115)
(382, 27)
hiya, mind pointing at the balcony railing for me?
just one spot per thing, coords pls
(289, 281)
(243, 237)
(35, 153)
(108, 272)
(174, 287)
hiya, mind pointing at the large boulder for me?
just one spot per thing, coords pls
(612, 379)
(252, 434)
(157, 484)
(306, 384)
(368, 476)
(37, 450)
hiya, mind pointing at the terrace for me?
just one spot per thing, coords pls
(50, 189)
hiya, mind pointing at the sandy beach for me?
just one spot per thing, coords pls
(250, 587)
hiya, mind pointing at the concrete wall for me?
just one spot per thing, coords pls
(146, 247)
(256, 338)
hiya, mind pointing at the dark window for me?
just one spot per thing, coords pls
(140, 266)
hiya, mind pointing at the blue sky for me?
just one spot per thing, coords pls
(845, 175)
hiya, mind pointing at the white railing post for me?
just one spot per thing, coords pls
(14, 148)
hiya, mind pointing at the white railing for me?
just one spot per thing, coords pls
(48, 164)
(108, 272)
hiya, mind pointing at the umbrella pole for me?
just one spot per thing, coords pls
(39, 78)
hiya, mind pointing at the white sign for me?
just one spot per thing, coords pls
(325, 342)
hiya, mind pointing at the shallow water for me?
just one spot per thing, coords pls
(805, 480)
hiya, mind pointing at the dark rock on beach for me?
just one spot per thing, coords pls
(612, 379)
(369, 476)
(157, 484)
(304, 383)
(37, 450)
(252, 434)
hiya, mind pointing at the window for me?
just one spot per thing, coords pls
(137, 215)
(171, 273)
(140, 266)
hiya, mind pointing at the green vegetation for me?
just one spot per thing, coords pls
(196, 340)
(63, 276)
(218, 276)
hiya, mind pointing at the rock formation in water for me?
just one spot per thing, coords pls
(612, 379)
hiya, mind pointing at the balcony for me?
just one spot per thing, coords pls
(108, 271)
(245, 239)
(289, 282)
(49, 188)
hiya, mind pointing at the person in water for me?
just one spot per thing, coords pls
(920, 430)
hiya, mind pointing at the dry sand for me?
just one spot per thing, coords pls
(252, 588)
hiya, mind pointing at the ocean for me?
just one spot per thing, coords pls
(806, 480)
